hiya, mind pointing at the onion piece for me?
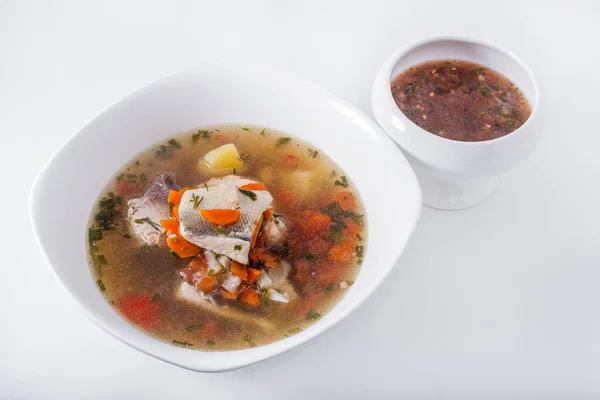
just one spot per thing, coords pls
(213, 264)
(231, 283)
(264, 281)
(280, 297)
(224, 260)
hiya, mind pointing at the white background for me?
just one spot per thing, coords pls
(498, 301)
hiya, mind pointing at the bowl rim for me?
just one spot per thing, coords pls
(393, 59)
(254, 355)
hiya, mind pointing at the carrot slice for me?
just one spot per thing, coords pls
(221, 217)
(253, 274)
(206, 284)
(249, 296)
(239, 270)
(255, 235)
(170, 226)
(175, 212)
(268, 214)
(264, 257)
(253, 186)
(342, 251)
(182, 247)
(175, 197)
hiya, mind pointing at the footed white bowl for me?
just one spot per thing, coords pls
(219, 92)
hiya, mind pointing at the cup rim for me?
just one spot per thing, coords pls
(395, 57)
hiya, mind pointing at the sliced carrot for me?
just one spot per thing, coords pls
(345, 200)
(253, 186)
(170, 226)
(290, 161)
(268, 214)
(221, 217)
(229, 296)
(249, 296)
(255, 235)
(175, 197)
(239, 270)
(262, 256)
(175, 212)
(301, 271)
(182, 247)
(206, 284)
(253, 275)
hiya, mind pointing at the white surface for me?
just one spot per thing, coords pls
(212, 93)
(498, 301)
(455, 175)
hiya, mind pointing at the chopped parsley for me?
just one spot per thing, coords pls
(127, 236)
(182, 344)
(264, 298)
(173, 254)
(149, 247)
(245, 129)
(262, 133)
(283, 140)
(359, 237)
(248, 340)
(101, 260)
(94, 235)
(343, 181)
(155, 297)
(312, 315)
(313, 153)
(210, 342)
(108, 213)
(211, 272)
(350, 282)
(237, 247)
(201, 133)
(165, 151)
(359, 250)
(248, 193)
(484, 91)
(192, 328)
(338, 236)
(101, 285)
(148, 221)
(174, 144)
(336, 213)
(329, 287)
(196, 200)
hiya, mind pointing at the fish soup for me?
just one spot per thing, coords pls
(226, 238)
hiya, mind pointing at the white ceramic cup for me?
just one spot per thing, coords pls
(454, 174)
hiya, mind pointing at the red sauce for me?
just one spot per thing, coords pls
(460, 100)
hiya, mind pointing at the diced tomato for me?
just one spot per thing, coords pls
(290, 162)
(140, 309)
(125, 188)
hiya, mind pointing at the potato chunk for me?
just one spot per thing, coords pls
(225, 156)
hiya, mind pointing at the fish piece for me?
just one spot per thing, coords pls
(274, 231)
(145, 212)
(187, 293)
(233, 240)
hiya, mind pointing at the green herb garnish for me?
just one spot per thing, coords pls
(312, 315)
(329, 287)
(101, 260)
(196, 200)
(210, 343)
(343, 181)
(312, 153)
(245, 129)
(174, 144)
(338, 236)
(202, 133)
(248, 193)
(94, 235)
(148, 247)
(143, 179)
(155, 297)
(211, 272)
(192, 328)
(350, 282)
(182, 344)
(101, 285)
(262, 133)
(237, 247)
(484, 91)
(283, 140)
(336, 213)
(148, 221)
(264, 298)
(127, 236)
(248, 340)
(359, 237)
(359, 250)
(173, 254)
(108, 212)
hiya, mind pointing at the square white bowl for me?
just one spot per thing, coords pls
(219, 92)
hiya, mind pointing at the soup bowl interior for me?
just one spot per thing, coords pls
(221, 93)
(456, 174)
